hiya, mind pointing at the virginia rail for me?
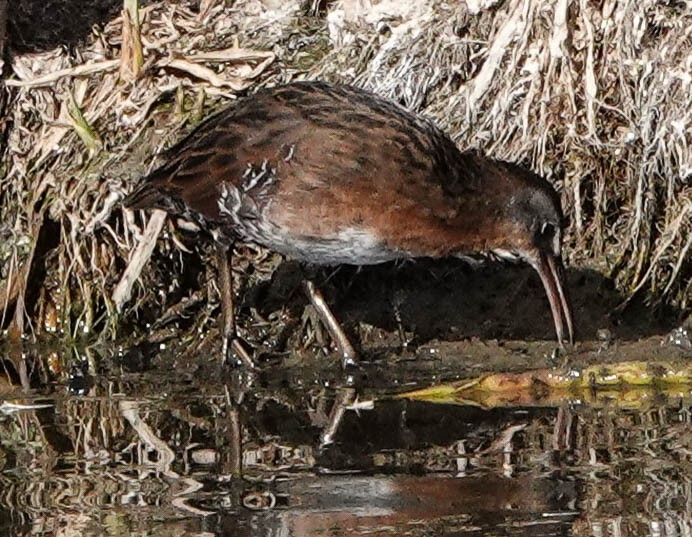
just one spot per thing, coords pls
(332, 174)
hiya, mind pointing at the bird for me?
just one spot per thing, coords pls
(330, 174)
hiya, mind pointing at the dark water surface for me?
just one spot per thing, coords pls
(184, 447)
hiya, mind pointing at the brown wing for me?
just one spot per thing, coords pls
(342, 157)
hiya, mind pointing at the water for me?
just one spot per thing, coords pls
(183, 447)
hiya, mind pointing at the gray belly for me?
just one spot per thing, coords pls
(348, 247)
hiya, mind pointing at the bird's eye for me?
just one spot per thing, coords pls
(549, 237)
(547, 229)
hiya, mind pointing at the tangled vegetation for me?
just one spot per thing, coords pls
(595, 96)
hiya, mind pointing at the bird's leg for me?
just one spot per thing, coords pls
(348, 354)
(397, 297)
(397, 300)
(231, 346)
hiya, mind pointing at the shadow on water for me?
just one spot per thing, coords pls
(190, 447)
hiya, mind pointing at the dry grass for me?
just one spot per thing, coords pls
(595, 97)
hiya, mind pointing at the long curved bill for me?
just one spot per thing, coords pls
(552, 274)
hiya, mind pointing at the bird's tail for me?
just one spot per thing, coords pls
(149, 195)
(144, 196)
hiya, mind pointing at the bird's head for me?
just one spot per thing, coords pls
(531, 223)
